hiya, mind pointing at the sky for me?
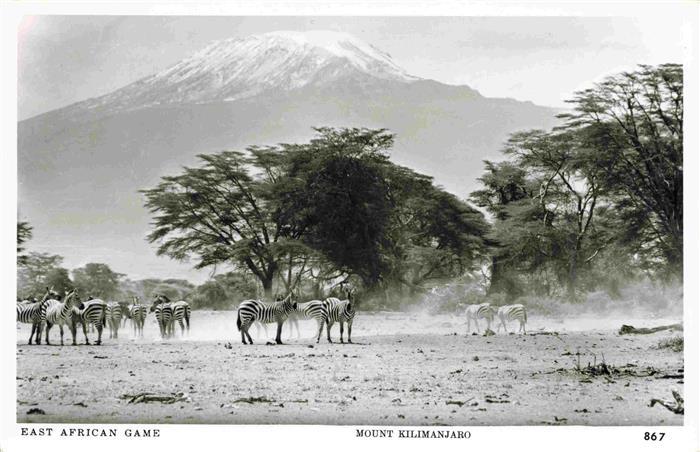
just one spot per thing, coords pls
(66, 59)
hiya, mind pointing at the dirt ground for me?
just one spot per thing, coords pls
(404, 369)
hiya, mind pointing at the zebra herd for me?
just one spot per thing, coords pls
(505, 314)
(325, 312)
(70, 311)
(97, 314)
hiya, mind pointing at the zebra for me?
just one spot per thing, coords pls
(89, 312)
(180, 311)
(34, 312)
(113, 316)
(314, 309)
(137, 313)
(60, 313)
(512, 312)
(250, 311)
(164, 316)
(476, 311)
(340, 311)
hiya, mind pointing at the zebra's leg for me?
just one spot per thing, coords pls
(37, 338)
(278, 338)
(247, 333)
(31, 336)
(87, 341)
(476, 322)
(74, 332)
(182, 327)
(349, 332)
(319, 322)
(329, 324)
(48, 327)
(99, 334)
(469, 324)
(60, 328)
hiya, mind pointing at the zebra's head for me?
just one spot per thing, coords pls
(71, 298)
(289, 303)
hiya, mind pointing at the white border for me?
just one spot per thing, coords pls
(179, 437)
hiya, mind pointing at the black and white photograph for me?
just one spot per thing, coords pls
(411, 224)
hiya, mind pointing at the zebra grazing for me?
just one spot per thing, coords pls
(60, 313)
(479, 311)
(340, 311)
(137, 313)
(512, 312)
(113, 316)
(34, 312)
(250, 311)
(90, 312)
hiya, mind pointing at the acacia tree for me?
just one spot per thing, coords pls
(221, 212)
(325, 209)
(634, 123)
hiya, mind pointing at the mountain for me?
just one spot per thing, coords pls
(80, 166)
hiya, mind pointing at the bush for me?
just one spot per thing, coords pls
(674, 343)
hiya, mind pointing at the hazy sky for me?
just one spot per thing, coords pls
(64, 59)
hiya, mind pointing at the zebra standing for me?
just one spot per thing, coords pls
(34, 312)
(314, 309)
(512, 312)
(340, 311)
(60, 313)
(164, 317)
(180, 311)
(250, 311)
(137, 313)
(89, 312)
(113, 316)
(479, 311)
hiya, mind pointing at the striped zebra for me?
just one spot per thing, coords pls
(250, 311)
(512, 312)
(341, 311)
(34, 312)
(164, 316)
(60, 313)
(313, 309)
(113, 317)
(181, 311)
(138, 313)
(479, 311)
(89, 312)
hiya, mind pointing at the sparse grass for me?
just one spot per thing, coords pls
(674, 343)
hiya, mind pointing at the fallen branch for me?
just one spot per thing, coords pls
(629, 329)
(252, 400)
(147, 397)
(675, 407)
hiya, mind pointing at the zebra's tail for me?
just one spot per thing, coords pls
(238, 320)
(187, 316)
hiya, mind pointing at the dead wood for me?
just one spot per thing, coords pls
(629, 329)
(675, 406)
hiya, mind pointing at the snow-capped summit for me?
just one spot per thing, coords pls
(238, 68)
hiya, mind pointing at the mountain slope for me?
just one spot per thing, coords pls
(80, 167)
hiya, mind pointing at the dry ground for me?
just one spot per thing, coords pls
(405, 369)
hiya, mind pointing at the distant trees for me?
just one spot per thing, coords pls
(604, 191)
(34, 271)
(24, 233)
(97, 280)
(334, 207)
